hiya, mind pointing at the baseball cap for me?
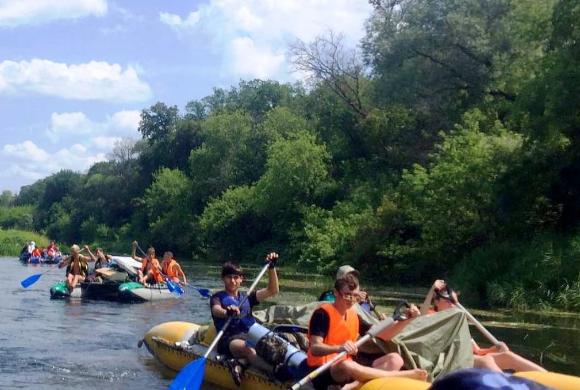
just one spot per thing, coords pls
(345, 270)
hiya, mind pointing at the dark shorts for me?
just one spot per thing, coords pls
(223, 346)
(323, 380)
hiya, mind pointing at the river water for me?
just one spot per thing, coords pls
(74, 344)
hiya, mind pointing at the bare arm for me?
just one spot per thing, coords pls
(273, 286)
(319, 348)
(397, 326)
(93, 257)
(134, 252)
(426, 305)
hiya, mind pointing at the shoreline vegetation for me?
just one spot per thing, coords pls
(12, 241)
(439, 150)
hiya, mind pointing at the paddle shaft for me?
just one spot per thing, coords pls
(380, 327)
(221, 332)
(478, 325)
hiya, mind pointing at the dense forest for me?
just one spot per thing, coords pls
(448, 145)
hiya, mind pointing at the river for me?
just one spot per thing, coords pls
(74, 344)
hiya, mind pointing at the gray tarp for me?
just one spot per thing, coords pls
(438, 343)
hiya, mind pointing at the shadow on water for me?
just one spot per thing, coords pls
(78, 344)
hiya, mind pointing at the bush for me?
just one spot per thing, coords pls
(12, 241)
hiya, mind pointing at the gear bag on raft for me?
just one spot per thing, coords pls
(288, 361)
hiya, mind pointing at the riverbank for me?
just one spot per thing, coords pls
(12, 241)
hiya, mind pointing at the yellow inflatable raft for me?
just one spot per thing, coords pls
(549, 379)
(175, 344)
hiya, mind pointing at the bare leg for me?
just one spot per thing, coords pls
(486, 362)
(511, 361)
(348, 369)
(239, 349)
(390, 362)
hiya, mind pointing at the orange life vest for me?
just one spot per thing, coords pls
(36, 252)
(147, 266)
(340, 330)
(169, 269)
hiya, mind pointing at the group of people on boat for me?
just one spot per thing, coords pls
(151, 272)
(36, 254)
(334, 327)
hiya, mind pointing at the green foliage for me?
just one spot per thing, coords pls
(12, 241)
(166, 203)
(453, 201)
(541, 272)
(18, 217)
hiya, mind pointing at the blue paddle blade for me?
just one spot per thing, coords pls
(29, 281)
(190, 377)
(204, 292)
(173, 287)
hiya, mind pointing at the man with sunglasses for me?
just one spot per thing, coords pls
(335, 327)
(230, 302)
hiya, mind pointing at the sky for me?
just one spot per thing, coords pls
(75, 74)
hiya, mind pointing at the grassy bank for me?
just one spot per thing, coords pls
(12, 241)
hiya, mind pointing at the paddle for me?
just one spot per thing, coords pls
(378, 328)
(173, 287)
(204, 292)
(29, 281)
(191, 376)
(478, 325)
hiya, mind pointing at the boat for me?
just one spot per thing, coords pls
(551, 380)
(44, 259)
(103, 284)
(169, 343)
(137, 292)
(176, 344)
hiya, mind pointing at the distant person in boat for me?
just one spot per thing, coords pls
(365, 302)
(228, 303)
(101, 259)
(77, 266)
(335, 327)
(495, 358)
(37, 252)
(171, 268)
(150, 272)
(52, 249)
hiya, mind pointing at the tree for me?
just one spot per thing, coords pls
(326, 61)
(7, 198)
(158, 122)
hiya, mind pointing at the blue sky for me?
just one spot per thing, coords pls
(74, 74)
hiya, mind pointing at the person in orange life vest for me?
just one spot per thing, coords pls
(498, 357)
(229, 303)
(37, 252)
(150, 272)
(334, 327)
(171, 268)
(77, 266)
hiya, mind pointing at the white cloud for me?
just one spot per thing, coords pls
(22, 12)
(95, 80)
(177, 23)
(248, 59)
(250, 31)
(29, 161)
(74, 125)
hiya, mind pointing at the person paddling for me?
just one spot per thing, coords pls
(498, 357)
(226, 303)
(150, 272)
(335, 327)
(171, 269)
(77, 266)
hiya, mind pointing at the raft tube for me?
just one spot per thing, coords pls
(108, 291)
(136, 292)
(60, 291)
(550, 379)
